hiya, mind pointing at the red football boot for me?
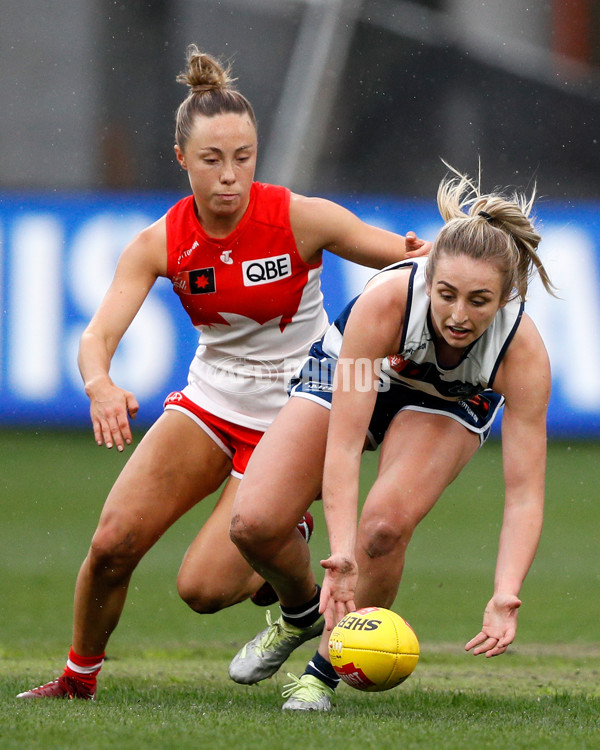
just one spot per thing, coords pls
(64, 687)
(265, 594)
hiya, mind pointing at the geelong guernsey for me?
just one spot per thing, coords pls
(257, 305)
(415, 364)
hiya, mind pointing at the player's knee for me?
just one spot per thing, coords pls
(381, 536)
(248, 534)
(113, 556)
(198, 598)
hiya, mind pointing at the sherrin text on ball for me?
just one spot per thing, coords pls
(373, 649)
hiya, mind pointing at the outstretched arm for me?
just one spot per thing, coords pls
(524, 379)
(372, 332)
(320, 224)
(142, 261)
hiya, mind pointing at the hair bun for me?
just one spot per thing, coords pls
(204, 72)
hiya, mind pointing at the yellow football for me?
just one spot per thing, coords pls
(373, 649)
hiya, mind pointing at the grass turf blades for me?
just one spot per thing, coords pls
(165, 683)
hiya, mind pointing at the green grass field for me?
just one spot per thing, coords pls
(165, 683)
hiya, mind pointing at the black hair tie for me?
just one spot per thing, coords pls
(486, 216)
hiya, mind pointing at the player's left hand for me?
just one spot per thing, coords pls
(337, 591)
(414, 247)
(499, 626)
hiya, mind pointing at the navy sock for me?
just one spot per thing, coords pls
(321, 669)
(305, 615)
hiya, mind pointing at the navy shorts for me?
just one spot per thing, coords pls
(314, 380)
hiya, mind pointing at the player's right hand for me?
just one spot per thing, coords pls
(414, 247)
(110, 410)
(337, 591)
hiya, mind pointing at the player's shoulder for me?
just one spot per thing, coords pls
(392, 280)
(525, 359)
(387, 291)
(527, 340)
(270, 204)
(320, 222)
(313, 206)
(154, 233)
(148, 247)
(180, 208)
(268, 190)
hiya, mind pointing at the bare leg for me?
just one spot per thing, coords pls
(214, 574)
(420, 456)
(282, 479)
(412, 476)
(173, 468)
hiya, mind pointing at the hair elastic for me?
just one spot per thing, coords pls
(486, 216)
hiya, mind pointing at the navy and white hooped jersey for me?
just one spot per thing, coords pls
(415, 364)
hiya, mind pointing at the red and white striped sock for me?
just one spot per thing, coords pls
(83, 668)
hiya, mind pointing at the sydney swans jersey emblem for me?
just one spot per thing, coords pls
(198, 281)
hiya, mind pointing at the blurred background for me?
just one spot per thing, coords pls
(358, 100)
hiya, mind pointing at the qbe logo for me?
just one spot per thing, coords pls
(266, 270)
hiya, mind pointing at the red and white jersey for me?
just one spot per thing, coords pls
(257, 304)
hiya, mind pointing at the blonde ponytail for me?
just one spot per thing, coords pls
(492, 227)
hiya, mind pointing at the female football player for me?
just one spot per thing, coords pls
(245, 260)
(424, 358)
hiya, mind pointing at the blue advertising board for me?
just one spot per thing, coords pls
(59, 252)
